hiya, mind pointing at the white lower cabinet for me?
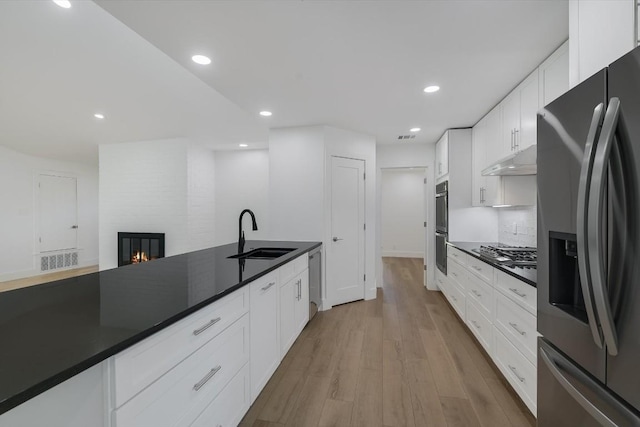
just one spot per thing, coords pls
(229, 407)
(179, 396)
(480, 326)
(207, 369)
(520, 373)
(265, 350)
(500, 311)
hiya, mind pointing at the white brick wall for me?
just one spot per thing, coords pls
(526, 226)
(156, 186)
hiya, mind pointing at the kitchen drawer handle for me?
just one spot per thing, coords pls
(268, 286)
(454, 274)
(517, 292)
(515, 372)
(475, 267)
(197, 386)
(203, 328)
(518, 330)
(476, 293)
(454, 298)
(476, 324)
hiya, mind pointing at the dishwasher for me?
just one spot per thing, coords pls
(315, 280)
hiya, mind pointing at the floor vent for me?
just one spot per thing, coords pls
(58, 261)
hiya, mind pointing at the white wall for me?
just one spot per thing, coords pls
(524, 219)
(201, 197)
(411, 155)
(600, 31)
(143, 188)
(19, 216)
(402, 202)
(296, 183)
(242, 181)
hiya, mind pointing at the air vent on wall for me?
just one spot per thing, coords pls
(58, 261)
(406, 137)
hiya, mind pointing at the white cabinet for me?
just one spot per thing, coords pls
(553, 75)
(442, 156)
(485, 137)
(294, 304)
(265, 348)
(519, 118)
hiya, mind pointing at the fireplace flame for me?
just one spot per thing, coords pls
(139, 256)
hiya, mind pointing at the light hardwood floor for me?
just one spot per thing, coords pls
(44, 278)
(404, 359)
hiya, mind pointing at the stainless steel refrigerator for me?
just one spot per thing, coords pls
(589, 251)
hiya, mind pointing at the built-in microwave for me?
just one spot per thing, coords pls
(442, 207)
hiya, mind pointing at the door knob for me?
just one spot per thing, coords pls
(335, 239)
(74, 226)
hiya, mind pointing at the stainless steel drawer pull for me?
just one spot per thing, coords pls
(203, 328)
(454, 274)
(518, 330)
(454, 297)
(517, 292)
(515, 372)
(268, 286)
(475, 267)
(197, 386)
(476, 293)
(475, 324)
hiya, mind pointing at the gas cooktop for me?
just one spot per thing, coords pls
(511, 256)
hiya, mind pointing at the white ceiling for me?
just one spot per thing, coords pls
(357, 65)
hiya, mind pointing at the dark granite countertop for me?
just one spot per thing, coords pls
(527, 275)
(53, 331)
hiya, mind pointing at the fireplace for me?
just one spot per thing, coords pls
(134, 248)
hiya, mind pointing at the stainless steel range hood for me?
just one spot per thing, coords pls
(521, 163)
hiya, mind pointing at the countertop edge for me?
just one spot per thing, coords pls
(494, 265)
(49, 383)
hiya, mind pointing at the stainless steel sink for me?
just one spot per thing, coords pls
(263, 253)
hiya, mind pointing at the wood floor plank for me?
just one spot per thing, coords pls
(425, 402)
(310, 403)
(458, 412)
(445, 374)
(283, 398)
(336, 413)
(367, 407)
(372, 349)
(515, 410)
(397, 409)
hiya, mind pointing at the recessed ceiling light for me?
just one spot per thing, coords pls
(63, 3)
(265, 113)
(511, 167)
(414, 130)
(201, 59)
(98, 116)
(431, 89)
(243, 145)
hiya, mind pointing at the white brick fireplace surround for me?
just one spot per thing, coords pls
(164, 186)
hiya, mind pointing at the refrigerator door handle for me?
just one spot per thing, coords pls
(555, 368)
(594, 221)
(581, 222)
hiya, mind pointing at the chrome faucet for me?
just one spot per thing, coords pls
(241, 233)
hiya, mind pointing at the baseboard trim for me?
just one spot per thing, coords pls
(401, 254)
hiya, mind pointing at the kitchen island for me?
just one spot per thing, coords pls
(52, 332)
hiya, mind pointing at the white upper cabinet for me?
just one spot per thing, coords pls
(519, 110)
(442, 156)
(485, 137)
(553, 75)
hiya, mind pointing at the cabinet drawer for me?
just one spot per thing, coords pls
(457, 273)
(457, 254)
(481, 269)
(456, 297)
(177, 397)
(441, 281)
(137, 367)
(518, 325)
(523, 294)
(480, 326)
(293, 268)
(231, 404)
(482, 293)
(520, 373)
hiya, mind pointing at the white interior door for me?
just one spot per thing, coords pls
(58, 213)
(345, 263)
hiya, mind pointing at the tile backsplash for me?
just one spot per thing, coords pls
(517, 226)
